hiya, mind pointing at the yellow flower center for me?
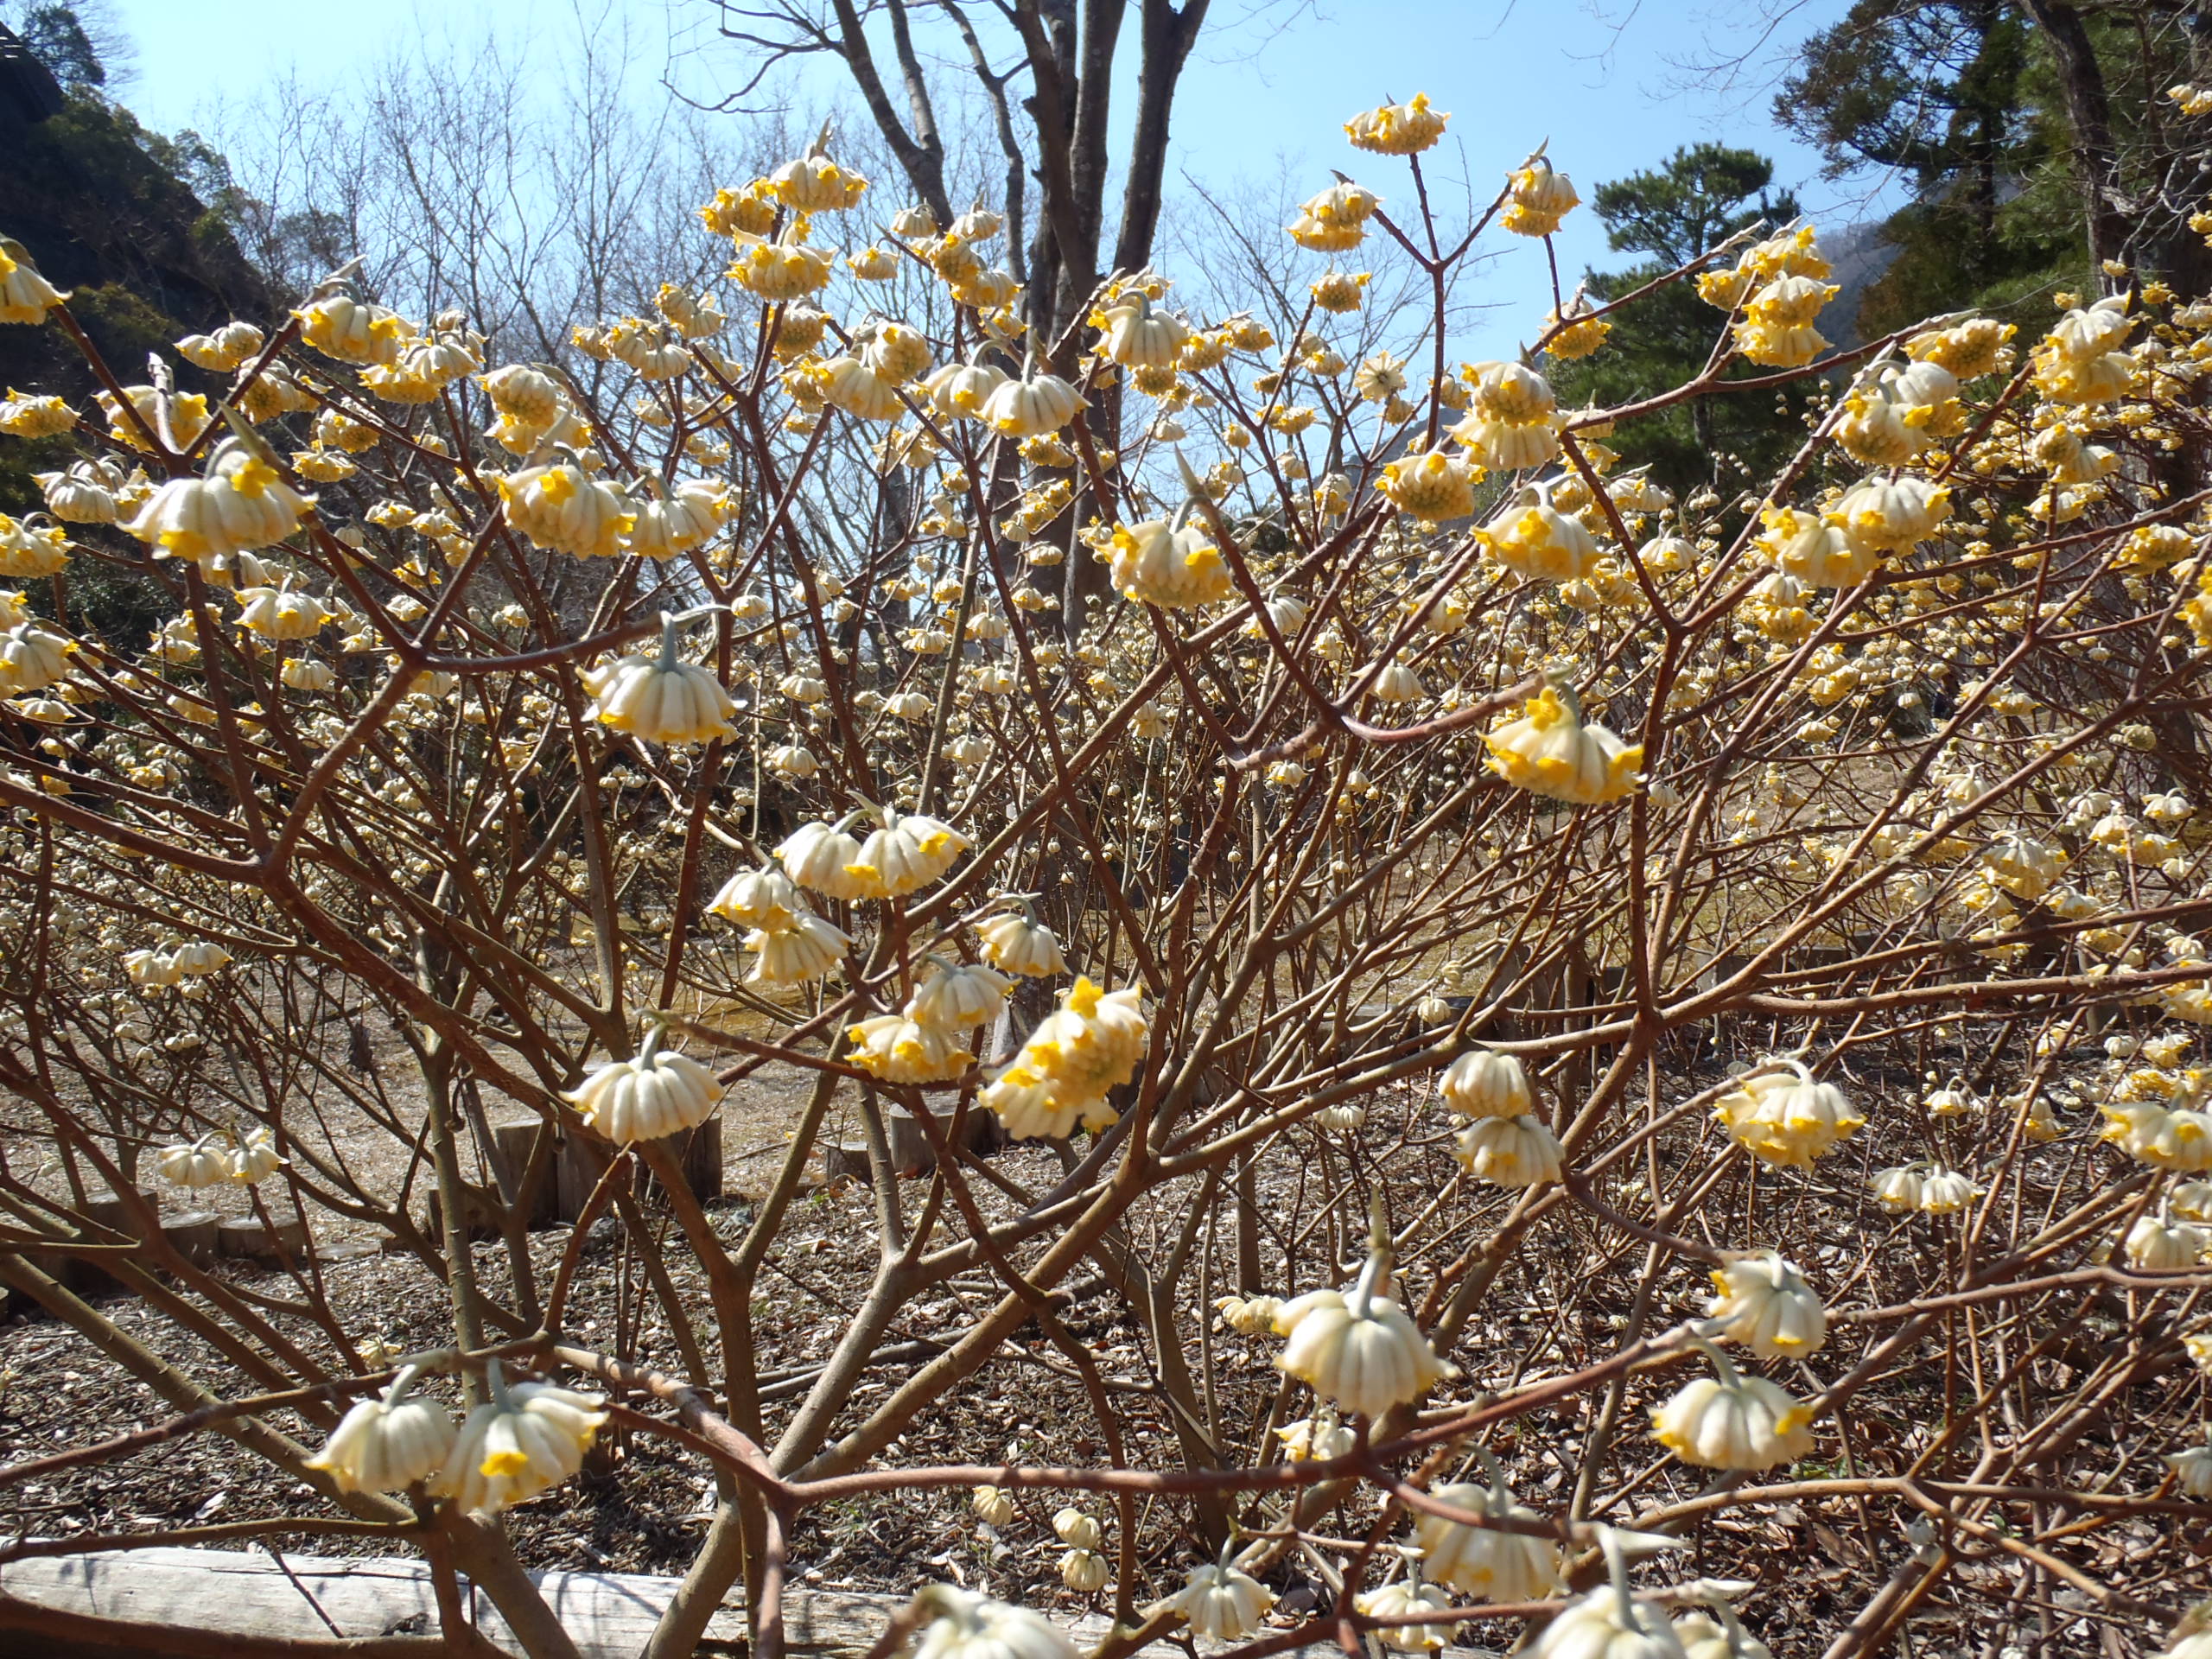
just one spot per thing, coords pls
(1546, 708)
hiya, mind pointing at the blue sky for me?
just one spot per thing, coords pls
(1268, 87)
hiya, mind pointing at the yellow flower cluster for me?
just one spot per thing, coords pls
(1792, 253)
(1775, 330)
(1397, 129)
(2080, 360)
(1547, 750)
(1059, 1080)
(1537, 198)
(1513, 419)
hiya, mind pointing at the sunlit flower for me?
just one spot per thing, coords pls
(1547, 750)
(517, 1444)
(900, 1050)
(761, 897)
(804, 948)
(1969, 349)
(2156, 1242)
(1317, 1438)
(1889, 515)
(1538, 198)
(388, 1443)
(560, 507)
(1060, 1077)
(1435, 486)
(1136, 336)
(1762, 1302)
(1169, 564)
(25, 297)
(240, 505)
(1509, 1152)
(351, 330)
(1786, 1117)
(1730, 1420)
(194, 1164)
(783, 269)
(1531, 538)
(965, 1625)
(254, 1157)
(1024, 408)
(24, 416)
(32, 658)
(1776, 328)
(1018, 943)
(1358, 1350)
(1487, 1562)
(1397, 129)
(958, 996)
(909, 851)
(1813, 552)
(282, 613)
(1400, 1597)
(813, 183)
(1221, 1601)
(660, 698)
(648, 1097)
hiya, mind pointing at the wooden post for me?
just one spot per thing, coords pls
(113, 1213)
(983, 1132)
(1575, 987)
(82, 1273)
(1247, 1225)
(480, 1206)
(1723, 969)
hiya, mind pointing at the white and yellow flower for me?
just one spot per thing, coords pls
(516, 1444)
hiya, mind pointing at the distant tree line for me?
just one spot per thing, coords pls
(2043, 152)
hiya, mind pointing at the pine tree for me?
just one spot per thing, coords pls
(1942, 92)
(1701, 195)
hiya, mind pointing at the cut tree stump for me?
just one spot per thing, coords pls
(583, 1160)
(83, 1273)
(608, 1615)
(577, 1170)
(699, 1154)
(192, 1234)
(149, 1592)
(908, 1145)
(910, 1153)
(245, 1236)
(512, 1144)
(111, 1212)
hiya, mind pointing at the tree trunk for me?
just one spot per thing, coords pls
(920, 153)
(2088, 107)
(1167, 37)
(1049, 32)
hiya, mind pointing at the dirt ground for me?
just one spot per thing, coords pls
(640, 1507)
(643, 1507)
